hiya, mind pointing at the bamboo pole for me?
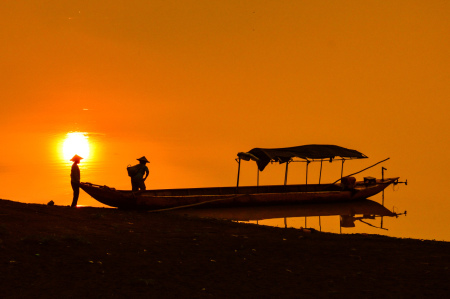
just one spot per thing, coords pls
(362, 170)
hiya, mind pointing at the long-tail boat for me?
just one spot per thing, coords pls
(344, 189)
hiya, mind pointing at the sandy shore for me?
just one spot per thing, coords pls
(59, 252)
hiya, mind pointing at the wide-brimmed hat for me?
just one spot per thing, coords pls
(143, 159)
(76, 158)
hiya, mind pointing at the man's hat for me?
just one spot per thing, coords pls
(143, 159)
(76, 158)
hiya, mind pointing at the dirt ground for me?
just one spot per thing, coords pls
(60, 252)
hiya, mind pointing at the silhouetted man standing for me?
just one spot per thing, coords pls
(75, 179)
(138, 179)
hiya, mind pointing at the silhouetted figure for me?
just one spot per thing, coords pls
(75, 179)
(137, 173)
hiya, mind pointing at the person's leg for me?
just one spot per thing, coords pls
(142, 185)
(76, 193)
(134, 185)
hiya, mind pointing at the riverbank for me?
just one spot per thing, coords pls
(57, 251)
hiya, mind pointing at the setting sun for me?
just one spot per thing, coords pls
(76, 143)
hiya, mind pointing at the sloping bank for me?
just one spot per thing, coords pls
(55, 251)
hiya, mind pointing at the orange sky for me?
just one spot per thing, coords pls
(191, 83)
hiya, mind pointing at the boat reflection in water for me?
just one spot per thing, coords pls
(349, 212)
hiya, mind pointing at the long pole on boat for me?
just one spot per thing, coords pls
(361, 170)
(342, 168)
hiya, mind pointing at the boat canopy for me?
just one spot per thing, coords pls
(264, 156)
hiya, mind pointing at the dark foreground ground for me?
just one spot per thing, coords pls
(59, 252)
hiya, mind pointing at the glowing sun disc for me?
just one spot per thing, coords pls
(76, 143)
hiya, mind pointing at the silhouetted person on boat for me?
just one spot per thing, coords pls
(139, 174)
(75, 179)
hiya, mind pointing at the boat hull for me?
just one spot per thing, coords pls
(232, 196)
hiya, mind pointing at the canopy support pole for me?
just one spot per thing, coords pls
(239, 172)
(307, 164)
(320, 173)
(342, 168)
(257, 178)
(286, 173)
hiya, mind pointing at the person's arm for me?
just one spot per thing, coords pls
(146, 173)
